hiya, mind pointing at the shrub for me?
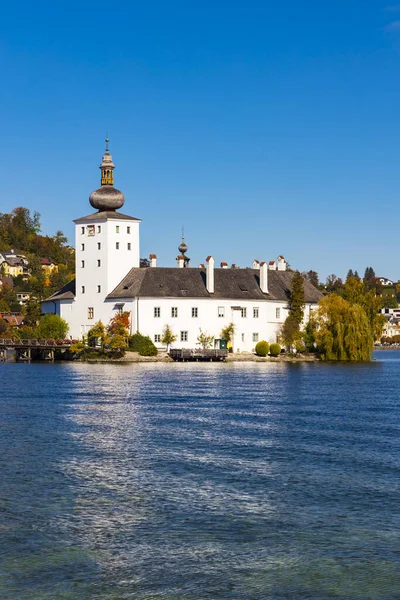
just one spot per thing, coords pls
(262, 348)
(274, 349)
(142, 344)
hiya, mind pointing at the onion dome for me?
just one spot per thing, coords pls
(107, 197)
(182, 247)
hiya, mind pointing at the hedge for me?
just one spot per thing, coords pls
(262, 348)
(274, 349)
(142, 344)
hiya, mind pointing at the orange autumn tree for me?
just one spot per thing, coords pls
(118, 330)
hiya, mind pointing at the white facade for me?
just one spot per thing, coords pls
(253, 321)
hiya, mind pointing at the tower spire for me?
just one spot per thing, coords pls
(107, 166)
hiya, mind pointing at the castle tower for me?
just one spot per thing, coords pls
(107, 243)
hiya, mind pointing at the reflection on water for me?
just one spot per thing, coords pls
(192, 482)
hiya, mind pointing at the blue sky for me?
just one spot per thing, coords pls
(263, 127)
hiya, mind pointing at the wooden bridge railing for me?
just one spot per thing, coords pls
(48, 343)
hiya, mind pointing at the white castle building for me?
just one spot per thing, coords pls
(109, 280)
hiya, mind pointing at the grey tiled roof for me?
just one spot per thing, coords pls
(234, 284)
(105, 214)
(66, 293)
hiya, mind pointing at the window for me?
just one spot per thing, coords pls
(117, 229)
(82, 247)
(277, 313)
(184, 336)
(98, 228)
(98, 245)
(221, 311)
(157, 311)
(98, 289)
(120, 308)
(83, 289)
(157, 337)
(242, 337)
(195, 312)
(98, 262)
(129, 246)
(128, 230)
(255, 337)
(256, 312)
(243, 312)
(82, 230)
(174, 311)
(90, 312)
(117, 245)
(90, 230)
(82, 264)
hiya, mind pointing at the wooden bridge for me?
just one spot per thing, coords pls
(26, 350)
(197, 354)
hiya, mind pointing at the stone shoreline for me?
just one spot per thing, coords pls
(134, 357)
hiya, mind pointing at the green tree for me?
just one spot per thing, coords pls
(8, 299)
(291, 334)
(58, 279)
(32, 311)
(389, 301)
(349, 274)
(168, 337)
(343, 331)
(333, 283)
(312, 277)
(52, 326)
(97, 335)
(204, 339)
(354, 291)
(227, 334)
(369, 274)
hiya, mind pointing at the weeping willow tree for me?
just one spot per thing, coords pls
(343, 330)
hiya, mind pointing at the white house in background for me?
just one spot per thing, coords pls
(109, 280)
(385, 281)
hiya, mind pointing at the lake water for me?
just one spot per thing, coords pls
(200, 481)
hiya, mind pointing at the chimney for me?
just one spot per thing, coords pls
(224, 265)
(281, 263)
(201, 266)
(153, 260)
(264, 277)
(272, 265)
(210, 274)
(180, 261)
(256, 264)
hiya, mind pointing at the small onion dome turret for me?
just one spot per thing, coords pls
(107, 197)
(182, 247)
